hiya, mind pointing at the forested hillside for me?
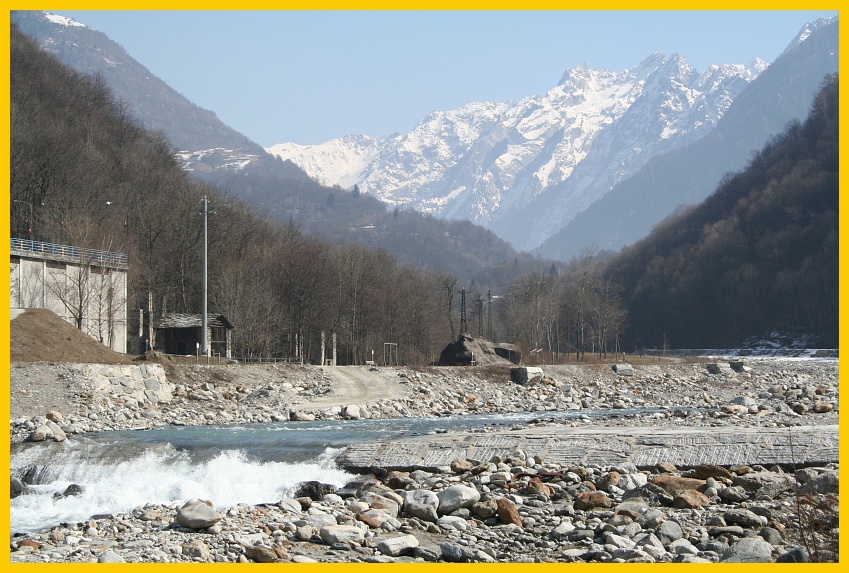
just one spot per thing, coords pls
(471, 252)
(83, 172)
(759, 255)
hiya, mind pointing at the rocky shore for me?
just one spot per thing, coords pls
(513, 508)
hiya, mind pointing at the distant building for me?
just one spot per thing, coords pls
(86, 287)
(178, 333)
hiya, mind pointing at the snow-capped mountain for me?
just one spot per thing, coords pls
(485, 160)
(596, 161)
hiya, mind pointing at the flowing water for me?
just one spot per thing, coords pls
(252, 464)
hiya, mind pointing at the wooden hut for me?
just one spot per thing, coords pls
(178, 333)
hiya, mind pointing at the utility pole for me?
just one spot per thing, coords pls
(463, 325)
(489, 312)
(203, 322)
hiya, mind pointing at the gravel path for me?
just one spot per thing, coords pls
(355, 385)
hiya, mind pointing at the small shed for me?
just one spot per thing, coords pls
(179, 333)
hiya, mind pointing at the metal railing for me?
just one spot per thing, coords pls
(70, 253)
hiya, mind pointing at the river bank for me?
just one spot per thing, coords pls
(515, 507)
(767, 392)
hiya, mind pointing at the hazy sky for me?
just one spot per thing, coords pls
(307, 77)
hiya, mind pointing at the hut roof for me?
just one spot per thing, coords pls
(182, 320)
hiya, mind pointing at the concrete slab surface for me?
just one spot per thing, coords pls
(642, 446)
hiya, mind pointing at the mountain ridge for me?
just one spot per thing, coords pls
(497, 163)
(503, 143)
(482, 160)
(275, 187)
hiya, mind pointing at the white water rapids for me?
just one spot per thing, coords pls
(159, 475)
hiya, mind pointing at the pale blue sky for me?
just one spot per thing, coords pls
(307, 77)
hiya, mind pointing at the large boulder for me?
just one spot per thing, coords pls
(748, 550)
(355, 412)
(456, 496)
(41, 433)
(196, 548)
(467, 350)
(526, 375)
(332, 534)
(459, 353)
(397, 546)
(18, 487)
(508, 513)
(766, 483)
(673, 485)
(314, 490)
(386, 502)
(623, 369)
(589, 500)
(109, 556)
(719, 368)
(197, 514)
(509, 352)
(421, 503)
(826, 482)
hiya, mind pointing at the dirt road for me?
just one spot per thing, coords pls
(356, 385)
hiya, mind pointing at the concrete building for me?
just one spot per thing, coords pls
(86, 287)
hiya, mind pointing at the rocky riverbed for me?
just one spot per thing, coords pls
(514, 508)
(506, 510)
(770, 392)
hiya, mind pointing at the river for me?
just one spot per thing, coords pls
(251, 464)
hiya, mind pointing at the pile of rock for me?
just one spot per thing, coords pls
(506, 510)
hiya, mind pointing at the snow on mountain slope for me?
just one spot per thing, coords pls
(488, 162)
(340, 162)
(675, 107)
(63, 21)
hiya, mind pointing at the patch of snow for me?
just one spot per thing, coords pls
(217, 158)
(63, 21)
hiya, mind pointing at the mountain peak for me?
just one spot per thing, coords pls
(197, 132)
(809, 29)
(525, 169)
